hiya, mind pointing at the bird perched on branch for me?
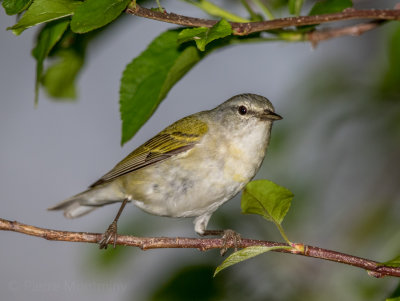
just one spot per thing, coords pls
(189, 169)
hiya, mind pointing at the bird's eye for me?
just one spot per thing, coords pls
(242, 110)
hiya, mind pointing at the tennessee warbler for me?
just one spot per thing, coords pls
(190, 168)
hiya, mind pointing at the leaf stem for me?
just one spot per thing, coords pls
(264, 9)
(282, 232)
(217, 11)
(295, 7)
(160, 9)
(254, 16)
(132, 5)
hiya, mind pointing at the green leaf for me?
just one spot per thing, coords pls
(245, 254)
(330, 6)
(264, 8)
(148, 78)
(295, 6)
(59, 79)
(67, 60)
(13, 7)
(47, 38)
(267, 199)
(94, 14)
(394, 263)
(42, 11)
(202, 35)
(190, 34)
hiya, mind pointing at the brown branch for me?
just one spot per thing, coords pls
(374, 268)
(317, 36)
(251, 27)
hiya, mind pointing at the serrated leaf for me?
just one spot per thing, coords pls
(60, 77)
(94, 14)
(267, 199)
(244, 254)
(330, 6)
(13, 7)
(295, 6)
(202, 35)
(148, 78)
(42, 11)
(394, 263)
(45, 41)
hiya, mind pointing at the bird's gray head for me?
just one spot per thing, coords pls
(246, 108)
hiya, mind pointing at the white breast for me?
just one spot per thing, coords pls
(202, 179)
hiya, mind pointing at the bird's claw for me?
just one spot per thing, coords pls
(111, 232)
(230, 238)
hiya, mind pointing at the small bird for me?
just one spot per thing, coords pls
(189, 169)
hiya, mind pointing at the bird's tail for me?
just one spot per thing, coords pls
(87, 201)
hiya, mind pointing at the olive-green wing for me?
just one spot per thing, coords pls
(177, 138)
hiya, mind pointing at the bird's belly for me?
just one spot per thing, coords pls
(193, 183)
(177, 189)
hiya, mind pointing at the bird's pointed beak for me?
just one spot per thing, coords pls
(269, 115)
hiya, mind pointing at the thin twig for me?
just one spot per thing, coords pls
(317, 36)
(374, 268)
(252, 27)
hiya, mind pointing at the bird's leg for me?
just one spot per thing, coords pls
(229, 238)
(112, 229)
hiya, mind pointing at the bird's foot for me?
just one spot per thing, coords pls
(230, 238)
(111, 232)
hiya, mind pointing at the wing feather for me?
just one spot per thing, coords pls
(179, 137)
